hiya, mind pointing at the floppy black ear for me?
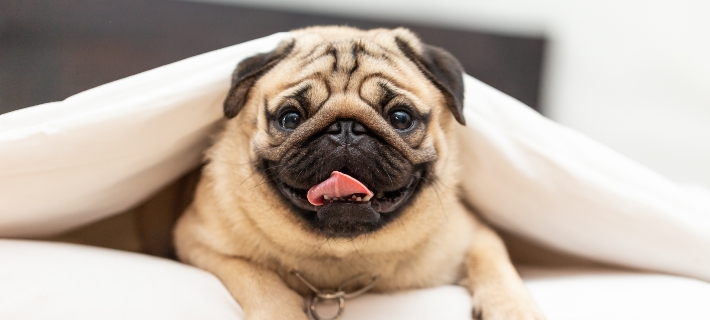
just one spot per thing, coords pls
(248, 72)
(443, 70)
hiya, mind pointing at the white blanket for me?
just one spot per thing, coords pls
(43, 281)
(102, 151)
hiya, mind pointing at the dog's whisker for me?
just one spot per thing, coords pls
(256, 170)
(434, 183)
(320, 246)
(265, 180)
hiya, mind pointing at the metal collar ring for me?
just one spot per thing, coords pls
(316, 316)
(340, 294)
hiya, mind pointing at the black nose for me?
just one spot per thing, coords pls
(346, 131)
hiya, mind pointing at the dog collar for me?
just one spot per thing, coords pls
(339, 294)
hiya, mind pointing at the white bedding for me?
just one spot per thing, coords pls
(43, 281)
(68, 163)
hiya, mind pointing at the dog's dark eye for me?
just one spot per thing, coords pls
(401, 120)
(290, 120)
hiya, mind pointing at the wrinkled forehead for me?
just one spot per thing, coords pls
(345, 78)
(372, 69)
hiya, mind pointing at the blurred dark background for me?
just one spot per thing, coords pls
(52, 49)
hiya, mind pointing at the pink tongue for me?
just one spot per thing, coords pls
(339, 185)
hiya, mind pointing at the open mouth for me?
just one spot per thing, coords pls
(342, 189)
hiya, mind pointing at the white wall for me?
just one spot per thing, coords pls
(633, 74)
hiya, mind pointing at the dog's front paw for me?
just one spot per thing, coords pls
(502, 304)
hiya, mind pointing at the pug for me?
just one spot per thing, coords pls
(338, 158)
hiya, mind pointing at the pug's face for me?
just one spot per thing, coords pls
(348, 127)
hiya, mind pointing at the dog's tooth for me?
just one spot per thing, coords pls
(367, 198)
(358, 199)
(326, 197)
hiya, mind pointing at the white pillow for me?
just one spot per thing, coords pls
(102, 151)
(59, 281)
